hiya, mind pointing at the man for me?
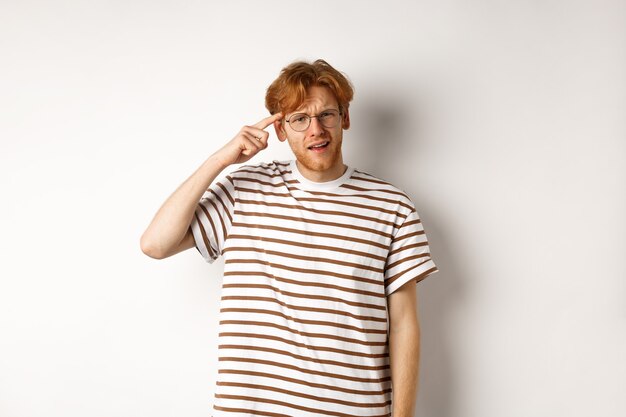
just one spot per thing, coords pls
(318, 314)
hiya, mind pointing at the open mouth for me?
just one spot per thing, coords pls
(319, 147)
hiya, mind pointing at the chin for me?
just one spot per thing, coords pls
(315, 163)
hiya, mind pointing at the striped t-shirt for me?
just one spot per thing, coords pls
(303, 327)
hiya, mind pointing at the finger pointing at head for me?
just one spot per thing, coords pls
(268, 121)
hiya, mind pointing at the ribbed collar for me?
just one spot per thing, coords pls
(308, 184)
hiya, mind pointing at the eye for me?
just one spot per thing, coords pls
(298, 118)
(328, 114)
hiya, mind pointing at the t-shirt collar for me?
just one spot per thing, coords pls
(306, 183)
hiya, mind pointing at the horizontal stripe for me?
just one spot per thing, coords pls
(346, 367)
(330, 336)
(368, 230)
(304, 258)
(308, 384)
(310, 234)
(306, 245)
(257, 400)
(347, 376)
(241, 261)
(258, 311)
(282, 340)
(300, 295)
(362, 318)
(303, 395)
(336, 200)
(312, 210)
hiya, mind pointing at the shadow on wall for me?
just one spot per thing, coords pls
(389, 130)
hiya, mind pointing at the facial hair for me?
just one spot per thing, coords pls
(313, 162)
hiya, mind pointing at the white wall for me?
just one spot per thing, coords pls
(504, 121)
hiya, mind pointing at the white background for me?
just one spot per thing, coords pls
(504, 121)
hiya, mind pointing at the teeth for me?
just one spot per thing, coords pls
(320, 145)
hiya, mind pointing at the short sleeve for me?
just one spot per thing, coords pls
(409, 255)
(213, 218)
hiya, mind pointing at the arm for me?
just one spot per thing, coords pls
(169, 232)
(404, 348)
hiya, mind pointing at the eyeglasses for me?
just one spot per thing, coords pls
(301, 121)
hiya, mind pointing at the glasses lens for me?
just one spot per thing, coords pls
(299, 122)
(329, 118)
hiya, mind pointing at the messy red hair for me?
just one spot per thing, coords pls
(288, 91)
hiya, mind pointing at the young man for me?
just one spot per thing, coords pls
(315, 316)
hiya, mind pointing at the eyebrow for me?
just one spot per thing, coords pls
(303, 112)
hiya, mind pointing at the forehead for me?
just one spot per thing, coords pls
(317, 98)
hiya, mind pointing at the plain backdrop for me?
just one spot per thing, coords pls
(503, 120)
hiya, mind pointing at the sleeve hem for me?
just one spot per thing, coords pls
(418, 274)
(197, 237)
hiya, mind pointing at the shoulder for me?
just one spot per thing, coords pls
(273, 166)
(381, 187)
(258, 171)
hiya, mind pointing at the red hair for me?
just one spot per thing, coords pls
(288, 91)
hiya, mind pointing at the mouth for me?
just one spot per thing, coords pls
(320, 147)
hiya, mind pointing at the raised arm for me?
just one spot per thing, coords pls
(169, 232)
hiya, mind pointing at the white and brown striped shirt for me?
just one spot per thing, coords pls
(303, 325)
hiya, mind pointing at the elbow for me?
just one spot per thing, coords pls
(148, 248)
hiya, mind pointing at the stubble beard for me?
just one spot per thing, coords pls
(320, 163)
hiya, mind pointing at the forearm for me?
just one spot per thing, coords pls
(404, 354)
(172, 220)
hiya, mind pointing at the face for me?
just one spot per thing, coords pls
(326, 162)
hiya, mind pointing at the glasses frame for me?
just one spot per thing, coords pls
(340, 113)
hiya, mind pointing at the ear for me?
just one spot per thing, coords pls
(280, 130)
(345, 120)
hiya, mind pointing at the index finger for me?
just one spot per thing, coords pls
(268, 121)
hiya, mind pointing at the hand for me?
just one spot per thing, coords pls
(247, 143)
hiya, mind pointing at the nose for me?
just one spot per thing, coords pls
(315, 128)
